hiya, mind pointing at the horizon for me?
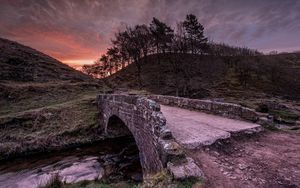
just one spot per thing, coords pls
(77, 33)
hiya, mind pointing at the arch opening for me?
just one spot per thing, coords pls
(117, 128)
(128, 166)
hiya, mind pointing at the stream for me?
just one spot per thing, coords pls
(112, 160)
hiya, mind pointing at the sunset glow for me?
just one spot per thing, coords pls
(78, 32)
(78, 63)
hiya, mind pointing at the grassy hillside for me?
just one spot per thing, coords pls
(216, 77)
(22, 63)
(30, 79)
(44, 104)
(15, 97)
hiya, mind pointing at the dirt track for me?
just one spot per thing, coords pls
(270, 159)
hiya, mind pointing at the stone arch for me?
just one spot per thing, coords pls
(149, 155)
(116, 127)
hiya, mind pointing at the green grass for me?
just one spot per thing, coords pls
(21, 97)
(56, 125)
(285, 114)
(272, 128)
(189, 183)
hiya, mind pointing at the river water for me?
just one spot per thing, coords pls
(111, 160)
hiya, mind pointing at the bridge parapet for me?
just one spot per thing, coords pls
(158, 149)
(229, 110)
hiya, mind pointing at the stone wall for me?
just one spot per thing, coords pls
(229, 110)
(143, 117)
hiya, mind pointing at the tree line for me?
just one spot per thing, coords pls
(134, 44)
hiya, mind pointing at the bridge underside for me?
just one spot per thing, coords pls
(116, 127)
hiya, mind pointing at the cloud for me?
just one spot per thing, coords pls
(82, 29)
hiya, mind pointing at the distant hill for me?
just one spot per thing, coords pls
(233, 77)
(24, 64)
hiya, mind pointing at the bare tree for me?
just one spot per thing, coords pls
(162, 35)
(114, 59)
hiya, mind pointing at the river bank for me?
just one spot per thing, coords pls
(109, 161)
(49, 128)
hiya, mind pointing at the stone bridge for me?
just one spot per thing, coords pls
(145, 119)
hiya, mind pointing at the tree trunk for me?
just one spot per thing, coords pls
(138, 65)
(159, 72)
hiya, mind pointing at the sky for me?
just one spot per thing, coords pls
(77, 32)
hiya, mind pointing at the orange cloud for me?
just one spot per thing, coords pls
(64, 46)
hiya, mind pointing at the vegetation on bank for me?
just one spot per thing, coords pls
(17, 96)
(55, 182)
(47, 117)
(44, 104)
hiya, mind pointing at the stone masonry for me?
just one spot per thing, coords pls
(158, 149)
(229, 110)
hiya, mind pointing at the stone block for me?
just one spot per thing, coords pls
(189, 169)
(165, 134)
(249, 114)
(171, 151)
(203, 105)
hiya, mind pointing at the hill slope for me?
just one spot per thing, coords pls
(43, 102)
(22, 63)
(244, 80)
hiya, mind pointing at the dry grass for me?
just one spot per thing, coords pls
(50, 116)
(17, 97)
(49, 127)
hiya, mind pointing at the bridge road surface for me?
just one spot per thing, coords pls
(193, 129)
